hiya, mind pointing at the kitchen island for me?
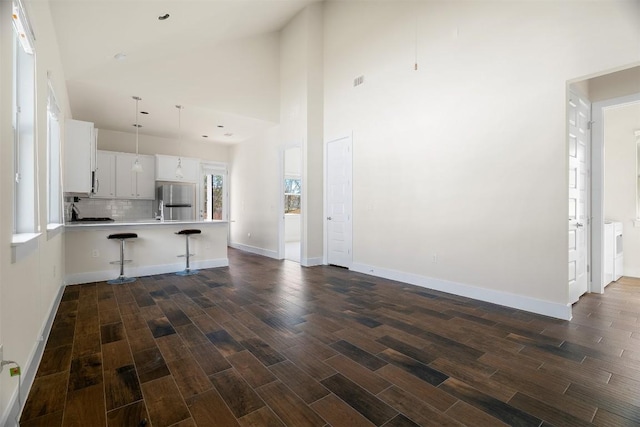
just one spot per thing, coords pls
(88, 252)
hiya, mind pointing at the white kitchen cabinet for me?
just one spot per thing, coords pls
(105, 182)
(135, 185)
(79, 156)
(166, 169)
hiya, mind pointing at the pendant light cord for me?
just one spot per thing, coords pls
(137, 98)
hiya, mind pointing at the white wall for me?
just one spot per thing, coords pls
(255, 175)
(615, 84)
(466, 157)
(126, 142)
(30, 286)
(620, 176)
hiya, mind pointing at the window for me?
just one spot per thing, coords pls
(54, 195)
(292, 195)
(214, 191)
(24, 155)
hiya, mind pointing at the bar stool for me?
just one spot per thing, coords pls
(187, 232)
(122, 278)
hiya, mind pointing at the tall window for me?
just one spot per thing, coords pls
(292, 195)
(214, 192)
(54, 195)
(23, 124)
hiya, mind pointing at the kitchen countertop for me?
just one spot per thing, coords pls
(137, 223)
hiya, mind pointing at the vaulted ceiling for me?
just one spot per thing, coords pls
(219, 59)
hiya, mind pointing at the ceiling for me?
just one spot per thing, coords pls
(219, 59)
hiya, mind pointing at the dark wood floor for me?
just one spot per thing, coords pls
(268, 343)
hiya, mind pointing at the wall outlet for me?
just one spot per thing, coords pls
(434, 259)
(95, 253)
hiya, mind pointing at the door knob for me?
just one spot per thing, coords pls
(578, 225)
(329, 218)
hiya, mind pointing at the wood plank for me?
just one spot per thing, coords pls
(209, 358)
(288, 407)
(358, 355)
(208, 409)
(250, 368)
(361, 400)
(298, 381)
(85, 407)
(238, 395)
(133, 415)
(503, 411)
(417, 387)
(338, 413)
(358, 374)
(47, 396)
(263, 417)
(164, 402)
(150, 364)
(416, 410)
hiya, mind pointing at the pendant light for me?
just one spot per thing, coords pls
(179, 173)
(137, 166)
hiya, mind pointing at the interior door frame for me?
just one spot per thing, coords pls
(280, 204)
(597, 186)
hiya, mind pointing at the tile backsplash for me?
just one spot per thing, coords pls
(119, 210)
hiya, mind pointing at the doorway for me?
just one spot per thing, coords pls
(605, 90)
(291, 184)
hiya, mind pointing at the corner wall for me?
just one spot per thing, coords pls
(460, 167)
(29, 288)
(255, 191)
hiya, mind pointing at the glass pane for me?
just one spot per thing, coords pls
(213, 195)
(292, 195)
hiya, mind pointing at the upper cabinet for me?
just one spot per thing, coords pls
(135, 185)
(79, 156)
(166, 168)
(105, 182)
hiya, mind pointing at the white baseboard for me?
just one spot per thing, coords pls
(255, 250)
(534, 305)
(632, 272)
(14, 410)
(100, 276)
(311, 262)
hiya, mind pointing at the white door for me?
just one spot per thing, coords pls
(579, 142)
(339, 188)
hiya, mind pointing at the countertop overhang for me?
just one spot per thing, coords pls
(138, 223)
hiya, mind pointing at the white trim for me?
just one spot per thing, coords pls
(597, 186)
(150, 270)
(254, 250)
(534, 305)
(22, 245)
(53, 230)
(311, 262)
(28, 371)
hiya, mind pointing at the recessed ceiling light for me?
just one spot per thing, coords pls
(144, 112)
(120, 56)
(163, 17)
(220, 126)
(205, 136)
(135, 125)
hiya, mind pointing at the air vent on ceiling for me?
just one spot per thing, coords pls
(358, 81)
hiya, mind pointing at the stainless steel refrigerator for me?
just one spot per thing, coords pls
(176, 201)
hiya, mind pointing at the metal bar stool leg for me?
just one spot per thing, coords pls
(187, 271)
(122, 278)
